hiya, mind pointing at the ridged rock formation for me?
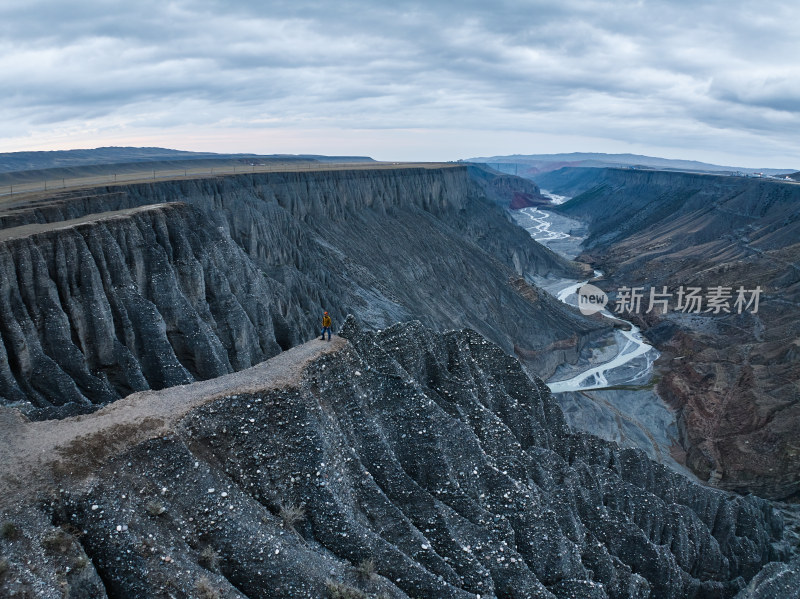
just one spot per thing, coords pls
(151, 297)
(405, 463)
(143, 286)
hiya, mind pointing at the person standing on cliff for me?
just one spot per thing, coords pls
(326, 326)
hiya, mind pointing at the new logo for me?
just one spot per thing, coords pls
(591, 299)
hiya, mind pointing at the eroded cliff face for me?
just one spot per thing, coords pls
(114, 290)
(248, 204)
(733, 377)
(405, 462)
(146, 298)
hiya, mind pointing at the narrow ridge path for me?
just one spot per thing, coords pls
(34, 455)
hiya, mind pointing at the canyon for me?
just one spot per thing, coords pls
(111, 290)
(172, 426)
(733, 376)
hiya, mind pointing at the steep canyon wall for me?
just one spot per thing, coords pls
(111, 290)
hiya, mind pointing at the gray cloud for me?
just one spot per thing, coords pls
(652, 74)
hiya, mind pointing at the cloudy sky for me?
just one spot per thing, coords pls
(709, 80)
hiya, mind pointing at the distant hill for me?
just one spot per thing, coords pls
(532, 164)
(28, 161)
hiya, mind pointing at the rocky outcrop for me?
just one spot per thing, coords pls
(775, 580)
(114, 290)
(731, 376)
(406, 463)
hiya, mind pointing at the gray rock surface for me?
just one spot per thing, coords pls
(406, 463)
(102, 296)
(776, 579)
(148, 298)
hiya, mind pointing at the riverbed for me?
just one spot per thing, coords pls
(610, 390)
